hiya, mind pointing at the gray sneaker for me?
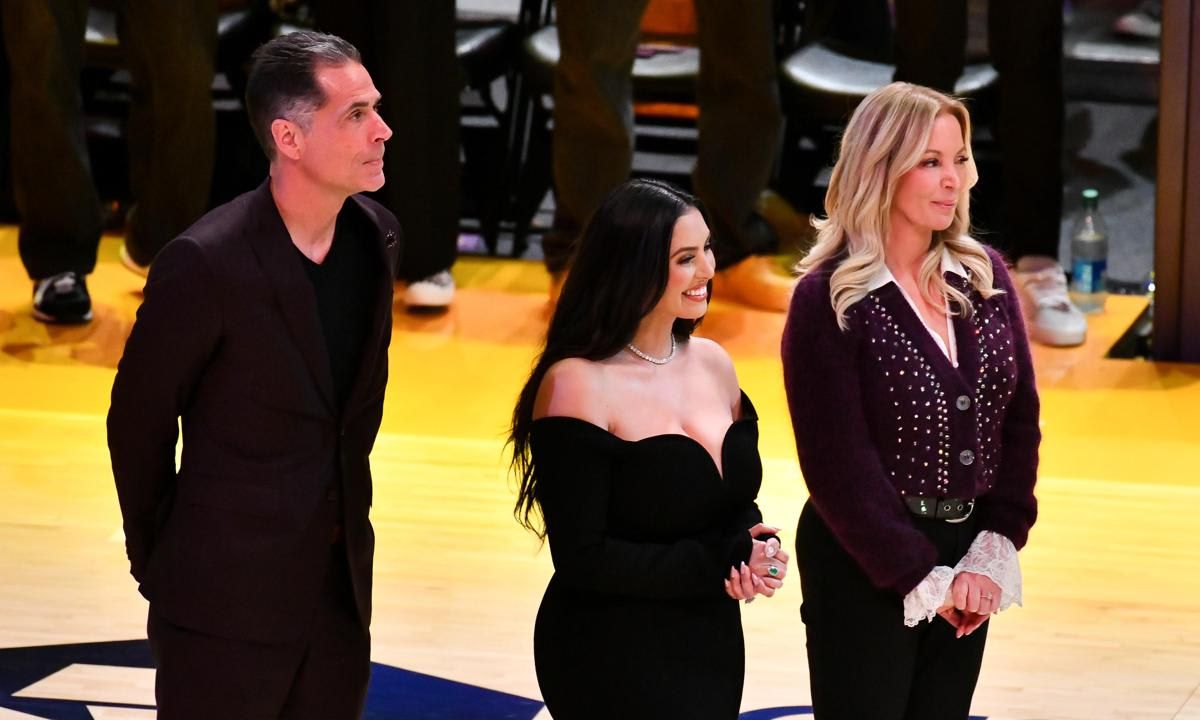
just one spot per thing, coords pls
(433, 292)
(62, 299)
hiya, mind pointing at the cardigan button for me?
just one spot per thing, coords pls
(963, 402)
(966, 457)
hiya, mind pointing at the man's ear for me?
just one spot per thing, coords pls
(288, 137)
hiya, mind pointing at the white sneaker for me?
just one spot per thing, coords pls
(435, 291)
(1050, 316)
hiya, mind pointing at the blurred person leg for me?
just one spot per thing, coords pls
(52, 181)
(1025, 45)
(420, 80)
(1025, 38)
(593, 114)
(740, 127)
(930, 42)
(409, 49)
(8, 208)
(171, 50)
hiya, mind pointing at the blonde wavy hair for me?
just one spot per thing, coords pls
(886, 137)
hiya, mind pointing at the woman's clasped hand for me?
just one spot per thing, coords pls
(765, 572)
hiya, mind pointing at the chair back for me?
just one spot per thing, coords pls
(670, 20)
(861, 29)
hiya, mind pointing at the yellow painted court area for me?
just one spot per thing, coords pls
(1110, 627)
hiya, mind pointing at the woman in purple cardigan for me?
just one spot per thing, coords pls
(913, 401)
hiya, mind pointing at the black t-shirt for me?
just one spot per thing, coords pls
(344, 285)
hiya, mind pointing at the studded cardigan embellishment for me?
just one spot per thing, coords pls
(918, 455)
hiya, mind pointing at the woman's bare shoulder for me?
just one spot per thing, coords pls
(573, 387)
(716, 362)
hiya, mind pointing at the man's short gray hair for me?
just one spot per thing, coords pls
(283, 79)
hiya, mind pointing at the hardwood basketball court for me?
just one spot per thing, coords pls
(1110, 627)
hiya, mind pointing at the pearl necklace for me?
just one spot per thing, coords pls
(650, 358)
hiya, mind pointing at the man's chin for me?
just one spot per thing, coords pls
(373, 185)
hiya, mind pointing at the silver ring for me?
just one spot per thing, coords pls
(987, 597)
(772, 570)
(749, 600)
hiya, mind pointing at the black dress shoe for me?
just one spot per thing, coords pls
(62, 299)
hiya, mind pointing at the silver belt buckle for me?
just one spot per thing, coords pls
(970, 509)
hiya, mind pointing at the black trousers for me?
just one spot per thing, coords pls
(170, 47)
(863, 662)
(409, 49)
(740, 118)
(201, 677)
(1025, 40)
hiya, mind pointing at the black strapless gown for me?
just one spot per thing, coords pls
(635, 622)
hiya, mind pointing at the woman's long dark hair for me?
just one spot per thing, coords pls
(618, 274)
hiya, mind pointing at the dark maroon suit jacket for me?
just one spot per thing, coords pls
(236, 541)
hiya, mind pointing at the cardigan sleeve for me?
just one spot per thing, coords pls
(840, 463)
(574, 466)
(1011, 507)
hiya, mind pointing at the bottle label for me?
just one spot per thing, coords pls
(1087, 276)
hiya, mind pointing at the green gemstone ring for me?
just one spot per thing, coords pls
(772, 570)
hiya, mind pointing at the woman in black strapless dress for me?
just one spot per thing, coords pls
(635, 445)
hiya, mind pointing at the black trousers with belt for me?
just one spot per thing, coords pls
(323, 677)
(740, 119)
(170, 49)
(409, 49)
(863, 662)
(1025, 40)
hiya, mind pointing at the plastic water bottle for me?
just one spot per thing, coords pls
(1089, 256)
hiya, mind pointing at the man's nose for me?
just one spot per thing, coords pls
(383, 132)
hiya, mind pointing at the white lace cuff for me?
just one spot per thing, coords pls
(995, 556)
(991, 554)
(922, 602)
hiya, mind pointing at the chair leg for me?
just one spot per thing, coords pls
(529, 161)
(493, 200)
(497, 198)
(482, 162)
(517, 112)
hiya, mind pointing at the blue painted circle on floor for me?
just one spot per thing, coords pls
(394, 694)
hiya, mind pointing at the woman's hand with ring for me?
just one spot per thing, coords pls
(769, 562)
(975, 593)
(742, 584)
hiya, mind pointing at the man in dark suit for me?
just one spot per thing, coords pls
(265, 327)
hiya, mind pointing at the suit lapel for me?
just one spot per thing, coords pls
(386, 243)
(293, 292)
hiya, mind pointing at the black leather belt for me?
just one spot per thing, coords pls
(935, 508)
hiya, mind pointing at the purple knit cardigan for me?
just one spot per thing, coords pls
(879, 412)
